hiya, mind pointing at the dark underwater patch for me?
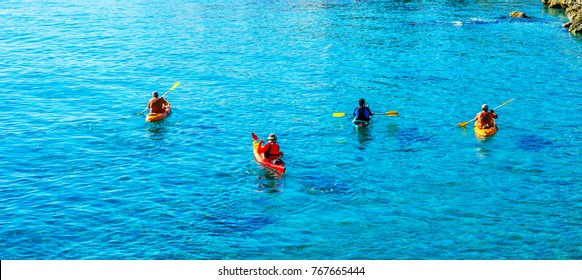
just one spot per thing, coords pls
(533, 143)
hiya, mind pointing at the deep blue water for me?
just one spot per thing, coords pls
(84, 177)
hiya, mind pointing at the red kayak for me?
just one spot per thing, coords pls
(278, 166)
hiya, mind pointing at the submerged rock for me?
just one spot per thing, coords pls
(518, 15)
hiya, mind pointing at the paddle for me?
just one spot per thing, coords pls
(255, 137)
(173, 87)
(463, 124)
(389, 113)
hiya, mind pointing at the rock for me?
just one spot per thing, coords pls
(576, 27)
(518, 15)
(573, 12)
(559, 4)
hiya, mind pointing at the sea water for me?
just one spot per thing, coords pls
(84, 177)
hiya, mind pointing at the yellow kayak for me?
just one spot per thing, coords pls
(153, 117)
(484, 132)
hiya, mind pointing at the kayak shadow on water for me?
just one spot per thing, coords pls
(156, 131)
(269, 186)
(364, 136)
(483, 151)
(270, 181)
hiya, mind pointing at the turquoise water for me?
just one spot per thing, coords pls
(84, 177)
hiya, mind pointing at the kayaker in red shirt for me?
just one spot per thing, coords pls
(271, 150)
(156, 104)
(484, 119)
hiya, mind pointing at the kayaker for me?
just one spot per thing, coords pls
(363, 112)
(271, 150)
(484, 119)
(156, 104)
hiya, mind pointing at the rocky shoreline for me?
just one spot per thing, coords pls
(573, 10)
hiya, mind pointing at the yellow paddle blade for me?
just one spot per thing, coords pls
(175, 85)
(392, 113)
(338, 114)
(463, 124)
(503, 104)
(511, 100)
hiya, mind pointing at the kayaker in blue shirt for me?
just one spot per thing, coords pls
(363, 112)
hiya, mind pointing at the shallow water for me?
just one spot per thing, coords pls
(84, 177)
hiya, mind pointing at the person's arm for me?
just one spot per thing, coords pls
(261, 149)
(164, 103)
(150, 104)
(493, 114)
